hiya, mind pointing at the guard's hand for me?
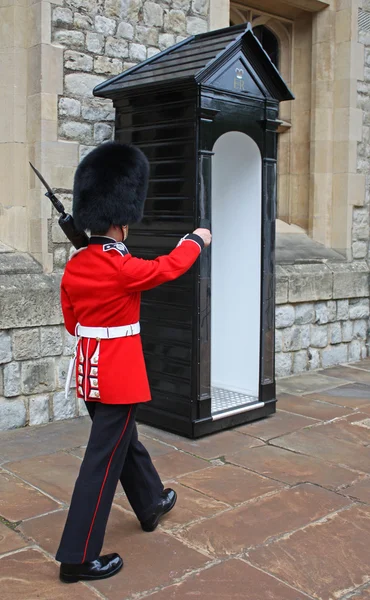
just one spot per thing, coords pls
(205, 234)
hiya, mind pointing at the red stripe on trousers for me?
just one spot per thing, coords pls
(103, 484)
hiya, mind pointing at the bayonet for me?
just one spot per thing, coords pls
(50, 194)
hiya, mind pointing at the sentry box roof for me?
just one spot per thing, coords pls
(229, 59)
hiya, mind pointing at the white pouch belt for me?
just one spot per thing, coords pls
(107, 333)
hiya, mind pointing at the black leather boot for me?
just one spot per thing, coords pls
(101, 568)
(166, 503)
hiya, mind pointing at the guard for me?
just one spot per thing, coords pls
(100, 296)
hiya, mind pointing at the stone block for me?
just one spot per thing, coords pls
(77, 61)
(132, 10)
(355, 350)
(308, 283)
(281, 295)
(1, 382)
(69, 107)
(335, 333)
(343, 310)
(113, 8)
(147, 36)
(64, 408)
(51, 341)
(182, 5)
(284, 316)
(359, 249)
(300, 362)
(321, 313)
(126, 31)
(283, 364)
(39, 410)
(137, 52)
(69, 38)
(62, 372)
(98, 110)
(359, 309)
(105, 25)
(38, 376)
(74, 130)
(69, 343)
(84, 151)
(195, 25)
(82, 21)
(62, 16)
(5, 347)
(26, 343)
(314, 359)
(334, 355)
(12, 414)
(350, 280)
(95, 42)
(102, 132)
(153, 14)
(278, 340)
(360, 329)
(152, 52)
(82, 410)
(81, 84)
(57, 234)
(166, 40)
(60, 258)
(291, 339)
(116, 48)
(175, 20)
(200, 7)
(110, 66)
(319, 336)
(304, 314)
(347, 331)
(12, 379)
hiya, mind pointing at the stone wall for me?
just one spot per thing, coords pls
(34, 346)
(102, 39)
(322, 316)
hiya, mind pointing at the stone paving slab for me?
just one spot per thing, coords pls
(309, 407)
(191, 506)
(55, 474)
(291, 468)
(230, 484)
(326, 560)
(276, 425)
(308, 383)
(30, 574)
(20, 501)
(290, 490)
(244, 582)
(10, 540)
(314, 442)
(34, 441)
(237, 530)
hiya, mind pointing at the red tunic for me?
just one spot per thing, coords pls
(101, 287)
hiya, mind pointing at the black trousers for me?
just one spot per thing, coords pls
(113, 453)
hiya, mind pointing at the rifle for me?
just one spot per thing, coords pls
(78, 238)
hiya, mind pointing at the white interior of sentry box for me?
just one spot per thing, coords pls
(236, 272)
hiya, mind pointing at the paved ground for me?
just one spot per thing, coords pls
(275, 510)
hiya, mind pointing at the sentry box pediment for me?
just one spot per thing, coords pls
(205, 113)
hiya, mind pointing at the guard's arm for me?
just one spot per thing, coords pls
(139, 275)
(70, 320)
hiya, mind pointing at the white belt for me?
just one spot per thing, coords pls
(99, 333)
(107, 333)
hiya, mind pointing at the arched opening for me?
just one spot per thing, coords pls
(236, 271)
(269, 43)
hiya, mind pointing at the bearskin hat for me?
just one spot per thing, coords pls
(110, 187)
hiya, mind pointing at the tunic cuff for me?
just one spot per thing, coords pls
(193, 237)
